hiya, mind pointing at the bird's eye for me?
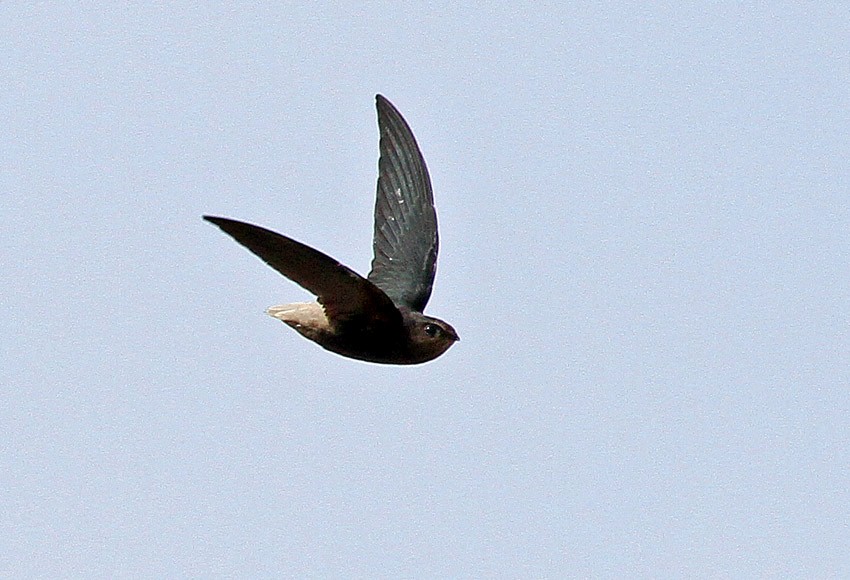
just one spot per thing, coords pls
(432, 330)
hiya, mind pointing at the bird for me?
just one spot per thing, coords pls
(379, 318)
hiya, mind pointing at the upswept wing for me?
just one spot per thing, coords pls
(405, 241)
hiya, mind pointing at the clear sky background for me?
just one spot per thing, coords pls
(645, 231)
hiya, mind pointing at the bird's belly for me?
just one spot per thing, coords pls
(358, 341)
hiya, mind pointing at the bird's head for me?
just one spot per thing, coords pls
(429, 337)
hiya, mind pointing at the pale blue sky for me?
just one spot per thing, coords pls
(645, 238)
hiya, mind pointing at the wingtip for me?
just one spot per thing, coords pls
(383, 103)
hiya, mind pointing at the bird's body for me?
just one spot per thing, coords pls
(379, 318)
(364, 341)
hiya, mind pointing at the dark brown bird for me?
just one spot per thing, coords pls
(379, 318)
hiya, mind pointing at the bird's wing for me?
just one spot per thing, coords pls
(405, 241)
(344, 294)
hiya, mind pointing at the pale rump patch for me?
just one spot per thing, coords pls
(301, 315)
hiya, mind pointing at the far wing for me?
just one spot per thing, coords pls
(405, 241)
